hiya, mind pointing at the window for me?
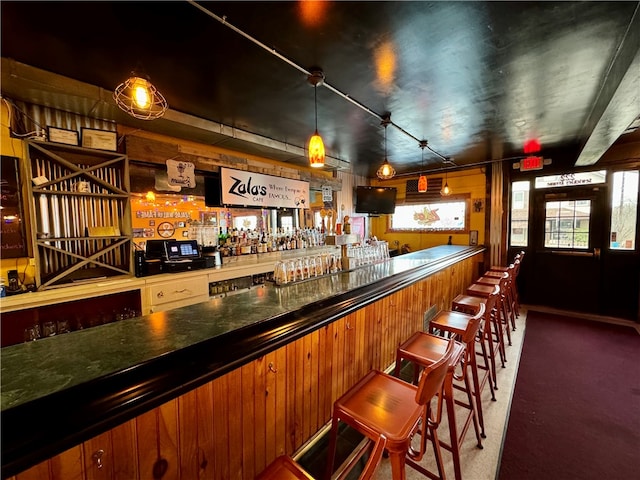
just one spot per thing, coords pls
(519, 214)
(286, 222)
(448, 216)
(249, 222)
(567, 224)
(624, 212)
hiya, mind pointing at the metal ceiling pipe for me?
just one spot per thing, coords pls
(346, 96)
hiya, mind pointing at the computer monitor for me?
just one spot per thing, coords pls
(182, 249)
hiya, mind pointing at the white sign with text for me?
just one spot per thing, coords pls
(254, 189)
(181, 174)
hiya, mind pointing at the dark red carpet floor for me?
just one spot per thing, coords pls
(575, 413)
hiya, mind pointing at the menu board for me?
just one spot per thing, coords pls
(12, 231)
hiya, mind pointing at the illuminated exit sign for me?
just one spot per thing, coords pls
(531, 163)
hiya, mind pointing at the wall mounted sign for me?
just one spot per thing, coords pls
(571, 179)
(62, 135)
(327, 193)
(248, 188)
(181, 174)
(100, 139)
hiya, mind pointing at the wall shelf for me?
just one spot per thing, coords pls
(75, 190)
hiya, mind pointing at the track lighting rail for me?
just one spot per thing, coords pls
(308, 72)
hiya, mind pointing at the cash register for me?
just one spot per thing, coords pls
(169, 256)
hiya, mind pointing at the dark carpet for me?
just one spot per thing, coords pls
(575, 412)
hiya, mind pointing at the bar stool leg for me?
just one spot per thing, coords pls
(505, 315)
(333, 441)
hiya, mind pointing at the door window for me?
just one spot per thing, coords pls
(624, 212)
(519, 214)
(567, 224)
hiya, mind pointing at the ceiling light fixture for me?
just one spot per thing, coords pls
(140, 98)
(386, 171)
(316, 145)
(422, 179)
(446, 191)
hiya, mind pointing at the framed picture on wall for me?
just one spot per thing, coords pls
(473, 237)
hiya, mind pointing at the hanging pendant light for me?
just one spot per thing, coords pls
(140, 98)
(446, 191)
(422, 179)
(386, 171)
(316, 145)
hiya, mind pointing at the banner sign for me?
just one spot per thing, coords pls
(571, 179)
(181, 174)
(254, 189)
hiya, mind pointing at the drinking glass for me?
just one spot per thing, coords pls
(313, 268)
(280, 273)
(49, 329)
(63, 326)
(291, 271)
(32, 333)
(299, 270)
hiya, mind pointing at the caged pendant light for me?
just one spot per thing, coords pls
(386, 171)
(140, 98)
(316, 145)
(422, 180)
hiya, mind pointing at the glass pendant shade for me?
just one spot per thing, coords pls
(140, 98)
(422, 184)
(316, 145)
(316, 151)
(386, 171)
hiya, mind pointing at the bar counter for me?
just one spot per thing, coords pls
(60, 391)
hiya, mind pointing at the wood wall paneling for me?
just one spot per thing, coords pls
(232, 427)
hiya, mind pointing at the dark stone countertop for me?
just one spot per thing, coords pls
(95, 379)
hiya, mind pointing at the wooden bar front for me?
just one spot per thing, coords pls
(233, 426)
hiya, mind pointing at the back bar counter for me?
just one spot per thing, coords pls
(220, 388)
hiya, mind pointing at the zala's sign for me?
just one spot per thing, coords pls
(254, 189)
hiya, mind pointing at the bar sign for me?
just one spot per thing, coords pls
(327, 193)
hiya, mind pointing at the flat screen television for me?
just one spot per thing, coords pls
(212, 191)
(375, 200)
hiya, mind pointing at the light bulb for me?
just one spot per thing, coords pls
(386, 171)
(141, 93)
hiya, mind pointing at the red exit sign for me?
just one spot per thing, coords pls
(531, 163)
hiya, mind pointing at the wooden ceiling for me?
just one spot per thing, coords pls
(474, 79)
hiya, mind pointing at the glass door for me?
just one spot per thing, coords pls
(583, 243)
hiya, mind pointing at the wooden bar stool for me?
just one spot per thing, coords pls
(285, 468)
(381, 404)
(422, 349)
(503, 282)
(483, 291)
(489, 343)
(509, 296)
(517, 262)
